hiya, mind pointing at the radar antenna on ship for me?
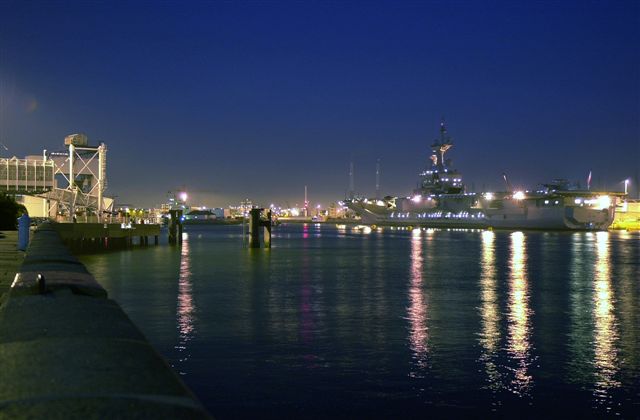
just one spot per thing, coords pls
(440, 177)
(441, 146)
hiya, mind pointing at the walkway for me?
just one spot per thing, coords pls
(10, 259)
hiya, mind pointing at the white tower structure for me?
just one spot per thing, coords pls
(82, 171)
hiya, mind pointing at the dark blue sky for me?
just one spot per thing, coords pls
(258, 99)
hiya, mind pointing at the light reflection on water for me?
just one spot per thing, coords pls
(581, 303)
(332, 318)
(605, 334)
(417, 311)
(186, 306)
(519, 334)
(594, 340)
(489, 312)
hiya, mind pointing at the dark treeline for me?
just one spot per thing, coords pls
(9, 212)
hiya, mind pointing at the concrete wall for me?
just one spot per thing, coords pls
(67, 351)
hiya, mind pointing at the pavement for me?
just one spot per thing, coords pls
(10, 259)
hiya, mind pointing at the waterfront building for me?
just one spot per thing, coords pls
(200, 215)
(221, 213)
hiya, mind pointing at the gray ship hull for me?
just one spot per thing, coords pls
(510, 214)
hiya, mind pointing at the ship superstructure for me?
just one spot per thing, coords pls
(441, 201)
(440, 177)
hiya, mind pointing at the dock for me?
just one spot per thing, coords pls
(96, 236)
(627, 216)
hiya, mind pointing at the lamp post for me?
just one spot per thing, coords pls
(626, 185)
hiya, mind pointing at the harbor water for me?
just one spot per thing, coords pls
(341, 321)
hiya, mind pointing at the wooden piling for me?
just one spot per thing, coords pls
(255, 223)
(254, 228)
(267, 230)
(175, 227)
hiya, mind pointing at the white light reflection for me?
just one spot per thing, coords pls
(580, 302)
(186, 307)
(519, 329)
(417, 311)
(489, 311)
(605, 334)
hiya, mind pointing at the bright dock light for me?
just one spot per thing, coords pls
(518, 195)
(604, 202)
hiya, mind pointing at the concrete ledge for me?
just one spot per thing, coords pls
(25, 282)
(63, 314)
(72, 353)
(87, 406)
(43, 367)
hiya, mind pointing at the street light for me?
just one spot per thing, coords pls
(626, 185)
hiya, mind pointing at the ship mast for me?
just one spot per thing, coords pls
(441, 177)
(441, 146)
(351, 183)
(378, 179)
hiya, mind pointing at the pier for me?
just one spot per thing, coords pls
(96, 236)
(68, 351)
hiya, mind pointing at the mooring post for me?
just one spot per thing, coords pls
(267, 230)
(172, 228)
(255, 223)
(175, 227)
(254, 228)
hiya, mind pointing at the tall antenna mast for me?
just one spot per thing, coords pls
(351, 183)
(506, 181)
(378, 179)
(440, 147)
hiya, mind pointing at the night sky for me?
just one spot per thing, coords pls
(259, 99)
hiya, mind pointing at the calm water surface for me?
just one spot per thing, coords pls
(343, 322)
